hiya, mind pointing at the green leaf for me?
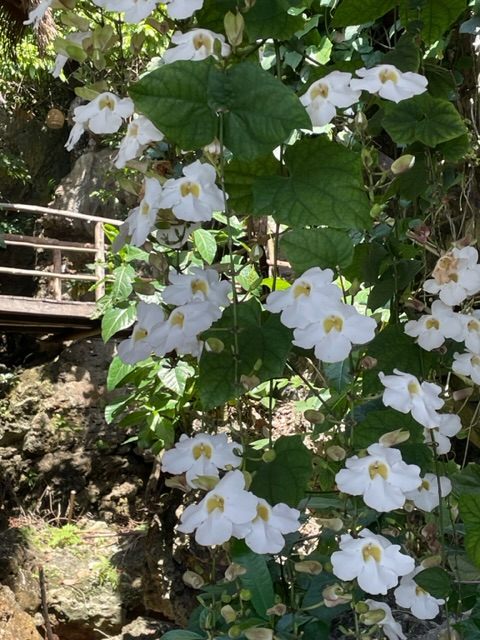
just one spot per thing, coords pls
(182, 634)
(176, 379)
(206, 244)
(435, 581)
(470, 513)
(406, 55)
(263, 346)
(184, 100)
(423, 119)
(269, 19)
(123, 277)
(323, 248)
(285, 478)
(338, 374)
(116, 319)
(368, 259)
(240, 177)
(455, 150)
(437, 16)
(117, 371)
(325, 187)
(352, 12)
(467, 481)
(257, 579)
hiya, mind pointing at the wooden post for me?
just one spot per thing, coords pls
(99, 260)
(57, 268)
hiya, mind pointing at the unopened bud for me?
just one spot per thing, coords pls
(248, 479)
(402, 164)
(361, 121)
(245, 595)
(193, 579)
(462, 394)
(376, 210)
(214, 148)
(334, 595)
(249, 382)
(177, 482)
(313, 416)
(431, 561)
(207, 483)
(269, 456)
(258, 633)
(373, 616)
(278, 609)
(312, 567)
(368, 362)
(233, 571)
(235, 631)
(336, 453)
(215, 345)
(334, 524)
(234, 26)
(228, 613)
(393, 438)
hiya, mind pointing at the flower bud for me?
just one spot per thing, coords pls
(258, 633)
(361, 121)
(228, 613)
(431, 561)
(373, 616)
(269, 455)
(193, 579)
(249, 382)
(245, 595)
(336, 453)
(334, 595)
(312, 567)
(234, 25)
(248, 479)
(233, 571)
(235, 631)
(215, 345)
(393, 438)
(315, 417)
(368, 362)
(402, 164)
(207, 483)
(214, 148)
(278, 609)
(177, 482)
(334, 524)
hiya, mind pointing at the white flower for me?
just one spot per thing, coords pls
(61, 59)
(390, 627)
(372, 559)
(467, 364)
(426, 496)
(456, 276)
(337, 327)
(471, 332)
(325, 95)
(448, 425)
(141, 219)
(139, 345)
(35, 16)
(135, 10)
(405, 393)
(103, 114)
(431, 330)
(181, 9)
(140, 133)
(196, 44)
(382, 478)
(264, 533)
(299, 303)
(226, 506)
(409, 595)
(194, 197)
(180, 330)
(389, 82)
(202, 455)
(200, 284)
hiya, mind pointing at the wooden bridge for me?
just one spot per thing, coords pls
(54, 314)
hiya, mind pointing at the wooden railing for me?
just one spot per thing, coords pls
(59, 247)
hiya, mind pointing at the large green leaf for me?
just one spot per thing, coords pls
(257, 579)
(123, 277)
(181, 634)
(325, 187)
(263, 346)
(285, 478)
(406, 54)
(184, 100)
(205, 244)
(240, 177)
(470, 514)
(269, 19)
(423, 119)
(116, 319)
(117, 371)
(351, 12)
(323, 248)
(436, 15)
(435, 581)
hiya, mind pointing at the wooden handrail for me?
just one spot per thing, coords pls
(48, 274)
(31, 208)
(47, 243)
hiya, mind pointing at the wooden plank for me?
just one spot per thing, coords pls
(30, 208)
(11, 305)
(48, 274)
(47, 243)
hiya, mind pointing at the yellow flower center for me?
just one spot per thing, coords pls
(107, 103)
(388, 74)
(475, 361)
(177, 319)
(133, 130)
(215, 502)
(202, 40)
(413, 388)
(263, 513)
(320, 90)
(425, 486)
(378, 469)
(145, 209)
(333, 322)
(188, 188)
(198, 285)
(372, 551)
(473, 325)
(432, 323)
(302, 289)
(420, 592)
(140, 334)
(202, 449)
(446, 269)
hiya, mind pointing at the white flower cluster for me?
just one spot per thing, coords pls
(228, 509)
(339, 89)
(312, 307)
(200, 296)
